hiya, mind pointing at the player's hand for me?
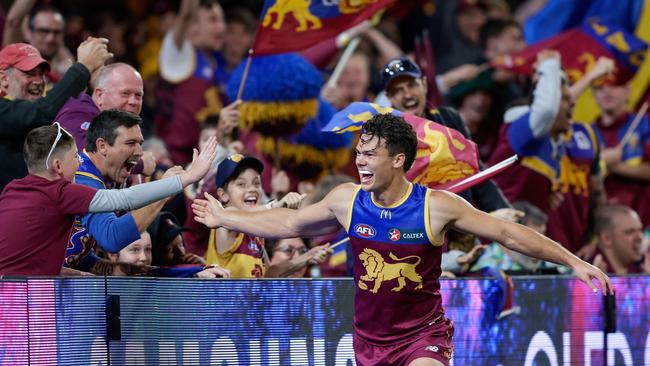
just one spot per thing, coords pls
(208, 211)
(201, 163)
(586, 272)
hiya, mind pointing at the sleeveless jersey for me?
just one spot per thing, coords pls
(396, 266)
(244, 259)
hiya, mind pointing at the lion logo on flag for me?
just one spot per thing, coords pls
(300, 11)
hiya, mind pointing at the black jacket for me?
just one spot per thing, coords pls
(486, 196)
(18, 117)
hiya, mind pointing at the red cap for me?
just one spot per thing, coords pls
(22, 56)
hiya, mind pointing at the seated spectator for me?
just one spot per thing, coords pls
(44, 204)
(619, 234)
(21, 80)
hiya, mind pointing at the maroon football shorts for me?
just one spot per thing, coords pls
(433, 342)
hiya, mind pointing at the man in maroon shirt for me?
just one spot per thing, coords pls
(37, 212)
(620, 237)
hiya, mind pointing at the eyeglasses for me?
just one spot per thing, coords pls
(290, 250)
(59, 133)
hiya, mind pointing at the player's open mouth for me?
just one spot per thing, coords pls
(365, 176)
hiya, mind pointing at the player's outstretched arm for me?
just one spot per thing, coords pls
(448, 208)
(318, 219)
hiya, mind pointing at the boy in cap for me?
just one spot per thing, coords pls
(239, 185)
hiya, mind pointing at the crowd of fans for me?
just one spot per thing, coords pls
(147, 89)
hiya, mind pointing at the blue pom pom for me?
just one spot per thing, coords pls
(277, 78)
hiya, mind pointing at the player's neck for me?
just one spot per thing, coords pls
(395, 192)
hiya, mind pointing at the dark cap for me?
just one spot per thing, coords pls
(399, 67)
(164, 229)
(227, 167)
(22, 56)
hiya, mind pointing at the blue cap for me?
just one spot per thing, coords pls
(398, 67)
(227, 167)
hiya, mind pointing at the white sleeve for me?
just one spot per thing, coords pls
(107, 200)
(546, 97)
(176, 64)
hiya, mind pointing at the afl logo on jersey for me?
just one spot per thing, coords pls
(364, 231)
(394, 234)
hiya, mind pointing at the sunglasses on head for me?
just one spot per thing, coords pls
(59, 133)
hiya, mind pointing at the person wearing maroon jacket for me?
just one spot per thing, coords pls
(396, 229)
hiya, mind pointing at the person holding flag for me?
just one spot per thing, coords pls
(397, 229)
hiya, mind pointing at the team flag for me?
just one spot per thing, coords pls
(580, 48)
(307, 22)
(444, 156)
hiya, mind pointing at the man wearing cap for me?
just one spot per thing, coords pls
(23, 106)
(628, 166)
(406, 88)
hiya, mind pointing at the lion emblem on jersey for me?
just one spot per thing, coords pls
(378, 270)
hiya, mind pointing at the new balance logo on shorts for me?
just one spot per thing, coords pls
(432, 348)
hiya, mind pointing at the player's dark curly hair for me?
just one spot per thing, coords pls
(398, 135)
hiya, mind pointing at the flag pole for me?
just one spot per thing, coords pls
(338, 70)
(242, 83)
(634, 124)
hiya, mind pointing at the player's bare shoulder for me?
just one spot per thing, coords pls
(443, 204)
(338, 200)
